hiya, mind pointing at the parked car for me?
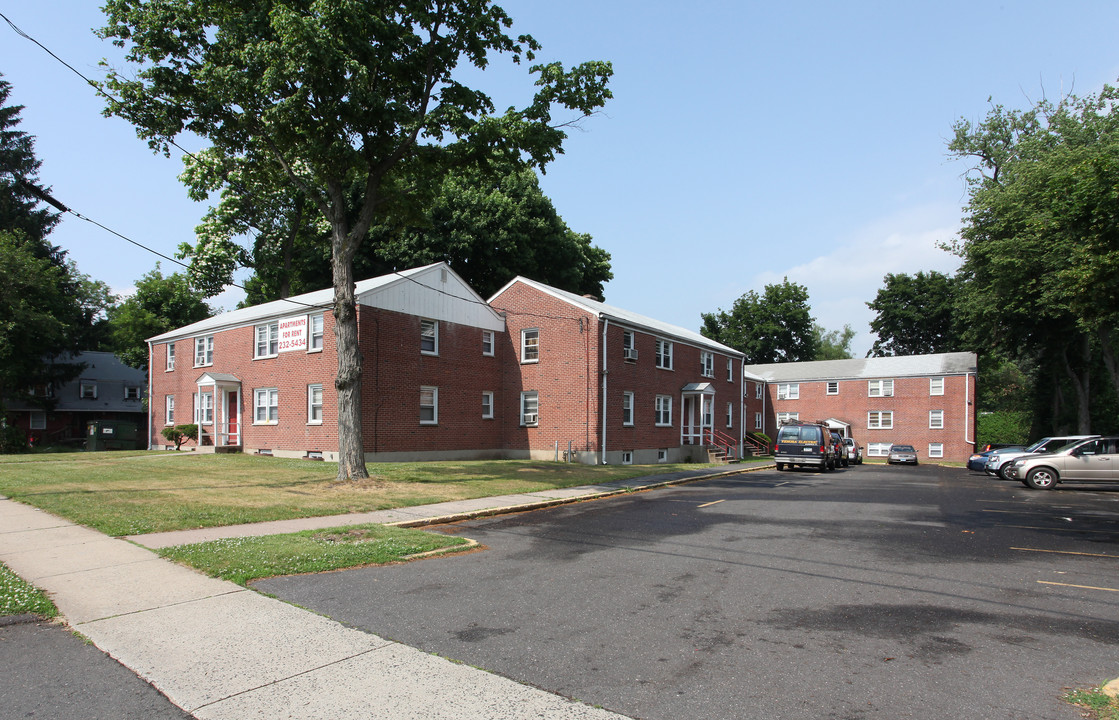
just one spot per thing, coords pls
(1092, 460)
(804, 444)
(998, 460)
(903, 454)
(854, 452)
(978, 461)
(840, 449)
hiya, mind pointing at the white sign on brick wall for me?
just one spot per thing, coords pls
(293, 334)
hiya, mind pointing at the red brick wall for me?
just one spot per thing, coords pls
(910, 405)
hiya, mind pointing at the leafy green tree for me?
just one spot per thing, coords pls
(20, 209)
(833, 344)
(357, 105)
(915, 315)
(776, 326)
(1039, 241)
(159, 304)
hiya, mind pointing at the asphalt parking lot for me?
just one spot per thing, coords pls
(870, 592)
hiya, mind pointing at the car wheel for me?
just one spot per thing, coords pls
(1002, 472)
(1041, 478)
(780, 466)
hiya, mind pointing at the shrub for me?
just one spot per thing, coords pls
(12, 440)
(179, 434)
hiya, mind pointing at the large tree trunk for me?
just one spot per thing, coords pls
(1081, 384)
(351, 450)
(1109, 359)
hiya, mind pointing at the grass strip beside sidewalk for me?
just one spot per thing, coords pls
(19, 597)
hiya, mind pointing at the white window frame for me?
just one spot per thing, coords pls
(757, 421)
(629, 346)
(831, 387)
(880, 388)
(936, 386)
(664, 354)
(429, 337)
(788, 391)
(204, 408)
(936, 419)
(204, 351)
(268, 401)
(87, 390)
(784, 418)
(662, 411)
(487, 405)
(759, 389)
(530, 406)
(878, 449)
(315, 325)
(627, 408)
(530, 345)
(267, 340)
(662, 455)
(730, 414)
(730, 369)
(170, 357)
(37, 420)
(487, 343)
(706, 364)
(936, 450)
(627, 457)
(426, 406)
(169, 410)
(314, 404)
(880, 420)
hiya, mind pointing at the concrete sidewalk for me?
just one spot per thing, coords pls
(218, 650)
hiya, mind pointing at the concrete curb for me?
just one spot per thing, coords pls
(1111, 689)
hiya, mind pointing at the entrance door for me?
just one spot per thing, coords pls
(233, 413)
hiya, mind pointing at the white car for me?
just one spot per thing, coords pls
(854, 452)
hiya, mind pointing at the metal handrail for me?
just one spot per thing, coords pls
(714, 437)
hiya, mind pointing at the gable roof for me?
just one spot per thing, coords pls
(884, 367)
(374, 292)
(623, 317)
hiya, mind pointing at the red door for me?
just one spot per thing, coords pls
(234, 437)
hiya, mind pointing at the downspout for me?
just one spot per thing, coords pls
(150, 376)
(741, 413)
(602, 400)
(967, 395)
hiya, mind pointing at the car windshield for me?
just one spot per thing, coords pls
(902, 448)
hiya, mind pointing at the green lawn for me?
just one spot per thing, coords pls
(18, 597)
(127, 493)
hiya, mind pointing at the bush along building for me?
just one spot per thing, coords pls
(927, 401)
(534, 373)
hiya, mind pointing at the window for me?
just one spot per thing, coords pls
(707, 364)
(487, 342)
(316, 333)
(170, 357)
(936, 419)
(267, 340)
(784, 418)
(936, 450)
(314, 404)
(429, 337)
(131, 392)
(708, 410)
(663, 410)
(169, 413)
(487, 405)
(758, 388)
(730, 370)
(833, 387)
(266, 404)
(788, 391)
(629, 349)
(530, 345)
(664, 354)
(429, 405)
(530, 408)
(204, 408)
(757, 421)
(87, 391)
(204, 351)
(880, 388)
(880, 420)
(627, 457)
(662, 456)
(38, 420)
(627, 408)
(730, 414)
(877, 449)
(936, 387)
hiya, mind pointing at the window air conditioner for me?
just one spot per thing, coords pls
(629, 353)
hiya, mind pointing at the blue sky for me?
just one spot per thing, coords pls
(747, 142)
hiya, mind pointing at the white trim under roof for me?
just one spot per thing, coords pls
(960, 363)
(625, 318)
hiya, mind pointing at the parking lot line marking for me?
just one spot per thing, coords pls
(1066, 552)
(716, 502)
(1083, 587)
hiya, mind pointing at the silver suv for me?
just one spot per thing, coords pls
(999, 460)
(1093, 460)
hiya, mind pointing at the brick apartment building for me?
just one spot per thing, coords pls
(927, 401)
(448, 376)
